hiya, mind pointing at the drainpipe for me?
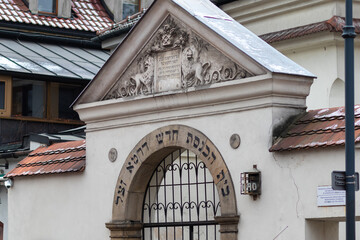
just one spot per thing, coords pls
(15, 154)
(50, 39)
(349, 35)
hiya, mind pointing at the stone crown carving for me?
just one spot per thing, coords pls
(175, 58)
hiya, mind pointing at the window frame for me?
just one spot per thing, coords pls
(6, 112)
(26, 88)
(53, 111)
(122, 9)
(50, 13)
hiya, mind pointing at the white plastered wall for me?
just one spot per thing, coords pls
(4, 198)
(323, 55)
(266, 16)
(77, 206)
(320, 57)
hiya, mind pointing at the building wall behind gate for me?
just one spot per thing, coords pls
(77, 206)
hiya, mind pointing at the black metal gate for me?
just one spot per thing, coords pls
(181, 200)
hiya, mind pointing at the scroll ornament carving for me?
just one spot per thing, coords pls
(140, 83)
(200, 64)
(170, 36)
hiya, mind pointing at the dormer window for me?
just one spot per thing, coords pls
(47, 6)
(60, 8)
(121, 9)
(130, 7)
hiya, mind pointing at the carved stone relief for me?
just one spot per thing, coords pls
(175, 58)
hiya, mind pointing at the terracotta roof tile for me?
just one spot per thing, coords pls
(91, 10)
(57, 158)
(335, 24)
(317, 128)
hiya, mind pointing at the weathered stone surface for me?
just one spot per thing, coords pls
(125, 230)
(175, 58)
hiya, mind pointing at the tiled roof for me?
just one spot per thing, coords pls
(317, 128)
(89, 15)
(57, 158)
(335, 24)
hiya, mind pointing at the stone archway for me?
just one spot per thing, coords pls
(139, 166)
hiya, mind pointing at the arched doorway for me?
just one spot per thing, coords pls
(137, 173)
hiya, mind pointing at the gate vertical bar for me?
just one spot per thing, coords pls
(349, 35)
(191, 232)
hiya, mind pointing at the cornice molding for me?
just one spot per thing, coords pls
(254, 10)
(312, 41)
(264, 91)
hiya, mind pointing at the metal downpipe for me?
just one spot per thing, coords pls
(349, 35)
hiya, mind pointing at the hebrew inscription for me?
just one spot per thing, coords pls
(174, 136)
(146, 157)
(175, 58)
(168, 71)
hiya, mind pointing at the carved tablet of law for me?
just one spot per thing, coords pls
(175, 58)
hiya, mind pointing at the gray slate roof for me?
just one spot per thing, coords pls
(217, 20)
(50, 59)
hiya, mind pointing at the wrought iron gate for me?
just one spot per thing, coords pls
(181, 200)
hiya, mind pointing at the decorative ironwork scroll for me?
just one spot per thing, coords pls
(181, 200)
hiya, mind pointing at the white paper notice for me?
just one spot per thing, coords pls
(326, 196)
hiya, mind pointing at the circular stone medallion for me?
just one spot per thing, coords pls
(235, 141)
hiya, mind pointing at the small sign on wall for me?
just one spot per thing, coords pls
(327, 197)
(250, 182)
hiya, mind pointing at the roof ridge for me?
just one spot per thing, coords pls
(334, 24)
(323, 119)
(57, 151)
(55, 161)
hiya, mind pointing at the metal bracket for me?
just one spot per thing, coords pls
(339, 180)
(349, 31)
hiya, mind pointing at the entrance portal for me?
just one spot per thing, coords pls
(181, 200)
(172, 184)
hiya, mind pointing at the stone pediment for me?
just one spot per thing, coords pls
(183, 46)
(175, 58)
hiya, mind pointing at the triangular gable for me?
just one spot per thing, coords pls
(175, 58)
(180, 44)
